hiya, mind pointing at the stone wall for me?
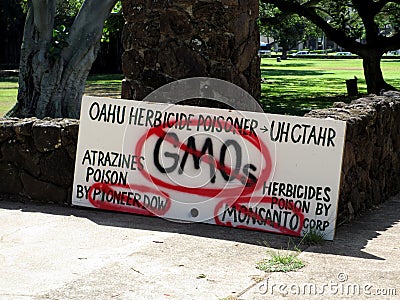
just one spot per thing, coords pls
(168, 40)
(371, 160)
(37, 156)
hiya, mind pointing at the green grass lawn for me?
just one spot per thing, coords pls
(104, 85)
(295, 86)
(8, 93)
(108, 85)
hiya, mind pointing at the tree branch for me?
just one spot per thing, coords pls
(312, 3)
(88, 24)
(380, 4)
(367, 13)
(332, 33)
(44, 12)
(389, 43)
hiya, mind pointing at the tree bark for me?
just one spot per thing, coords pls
(284, 53)
(51, 84)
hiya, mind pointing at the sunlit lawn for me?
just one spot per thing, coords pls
(296, 86)
(8, 93)
(104, 85)
(292, 86)
(108, 85)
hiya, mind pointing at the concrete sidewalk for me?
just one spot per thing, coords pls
(49, 252)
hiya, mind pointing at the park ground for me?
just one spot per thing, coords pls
(293, 86)
(50, 252)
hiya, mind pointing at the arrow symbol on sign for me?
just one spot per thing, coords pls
(264, 129)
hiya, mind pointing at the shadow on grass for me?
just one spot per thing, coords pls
(105, 77)
(9, 79)
(317, 85)
(104, 85)
(291, 65)
(301, 105)
(9, 88)
(286, 72)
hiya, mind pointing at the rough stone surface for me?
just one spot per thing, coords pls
(7, 129)
(37, 156)
(10, 182)
(371, 160)
(47, 135)
(42, 191)
(170, 40)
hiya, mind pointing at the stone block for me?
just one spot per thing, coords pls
(179, 61)
(10, 182)
(371, 162)
(132, 64)
(21, 155)
(7, 129)
(42, 191)
(47, 135)
(176, 23)
(126, 89)
(58, 168)
(69, 136)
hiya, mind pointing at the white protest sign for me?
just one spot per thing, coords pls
(241, 169)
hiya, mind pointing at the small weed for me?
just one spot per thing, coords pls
(313, 238)
(280, 263)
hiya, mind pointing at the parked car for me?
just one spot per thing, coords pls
(265, 49)
(343, 53)
(395, 52)
(264, 52)
(301, 53)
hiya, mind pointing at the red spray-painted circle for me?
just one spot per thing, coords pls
(209, 192)
(271, 226)
(136, 207)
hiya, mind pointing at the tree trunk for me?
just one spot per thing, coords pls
(284, 53)
(51, 82)
(373, 74)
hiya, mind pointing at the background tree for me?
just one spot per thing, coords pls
(56, 60)
(109, 59)
(12, 25)
(288, 30)
(355, 25)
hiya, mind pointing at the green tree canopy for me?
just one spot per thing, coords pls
(288, 30)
